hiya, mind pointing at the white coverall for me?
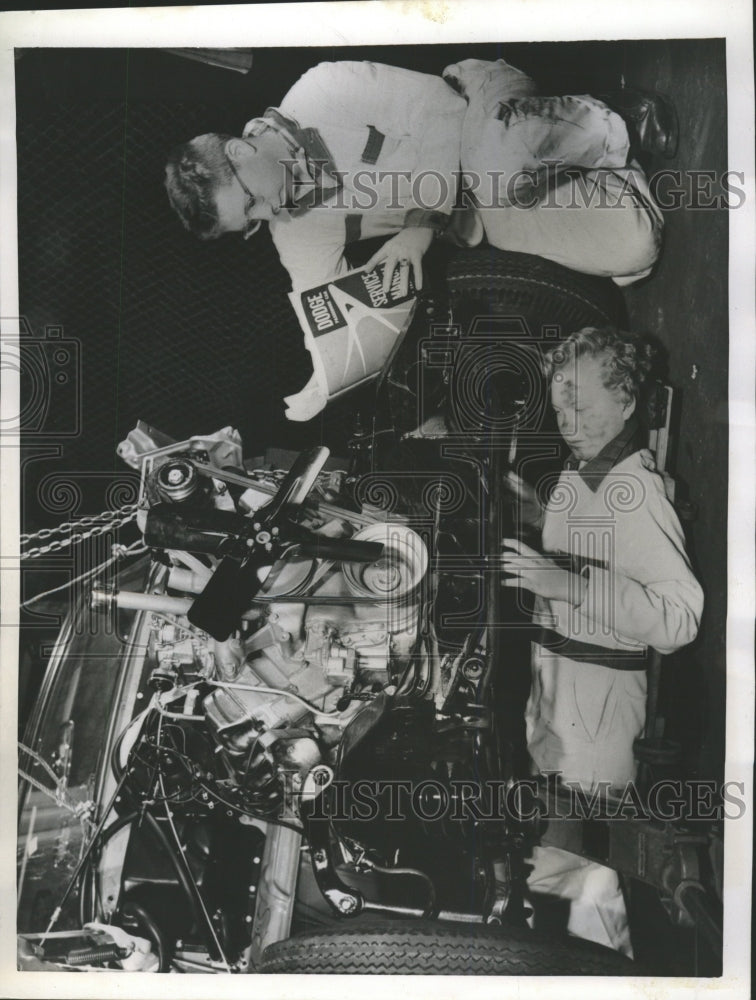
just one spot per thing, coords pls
(582, 717)
(398, 142)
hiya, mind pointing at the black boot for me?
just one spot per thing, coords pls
(650, 118)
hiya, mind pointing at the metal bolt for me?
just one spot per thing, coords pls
(255, 861)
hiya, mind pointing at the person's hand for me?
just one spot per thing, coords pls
(407, 248)
(540, 574)
(647, 459)
(528, 505)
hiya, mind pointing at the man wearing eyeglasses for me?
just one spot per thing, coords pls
(359, 150)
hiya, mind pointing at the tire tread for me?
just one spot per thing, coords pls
(425, 947)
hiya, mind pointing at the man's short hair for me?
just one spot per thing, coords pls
(193, 174)
(627, 358)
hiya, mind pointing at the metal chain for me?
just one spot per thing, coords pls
(83, 522)
(97, 524)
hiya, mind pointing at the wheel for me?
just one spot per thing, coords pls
(503, 283)
(368, 946)
(493, 292)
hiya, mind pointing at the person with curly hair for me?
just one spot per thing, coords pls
(613, 581)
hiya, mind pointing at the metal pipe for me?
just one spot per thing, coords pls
(188, 580)
(275, 890)
(430, 907)
(131, 600)
(448, 916)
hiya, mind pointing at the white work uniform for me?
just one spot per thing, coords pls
(396, 143)
(587, 704)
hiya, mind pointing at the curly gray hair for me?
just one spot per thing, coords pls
(627, 358)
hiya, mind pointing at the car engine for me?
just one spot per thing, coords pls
(281, 646)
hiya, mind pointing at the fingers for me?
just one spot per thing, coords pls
(520, 547)
(395, 256)
(397, 259)
(393, 261)
(518, 485)
(519, 564)
(417, 271)
(647, 459)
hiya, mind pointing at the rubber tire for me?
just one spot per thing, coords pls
(488, 282)
(507, 283)
(366, 946)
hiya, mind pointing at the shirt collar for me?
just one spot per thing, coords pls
(311, 162)
(626, 443)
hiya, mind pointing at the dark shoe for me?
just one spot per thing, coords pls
(651, 120)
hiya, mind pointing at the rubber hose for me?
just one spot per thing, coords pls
(133, 909)
(183, 877)
(186, 882)
(430, 909)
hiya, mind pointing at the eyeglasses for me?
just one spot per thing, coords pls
(251, 225)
